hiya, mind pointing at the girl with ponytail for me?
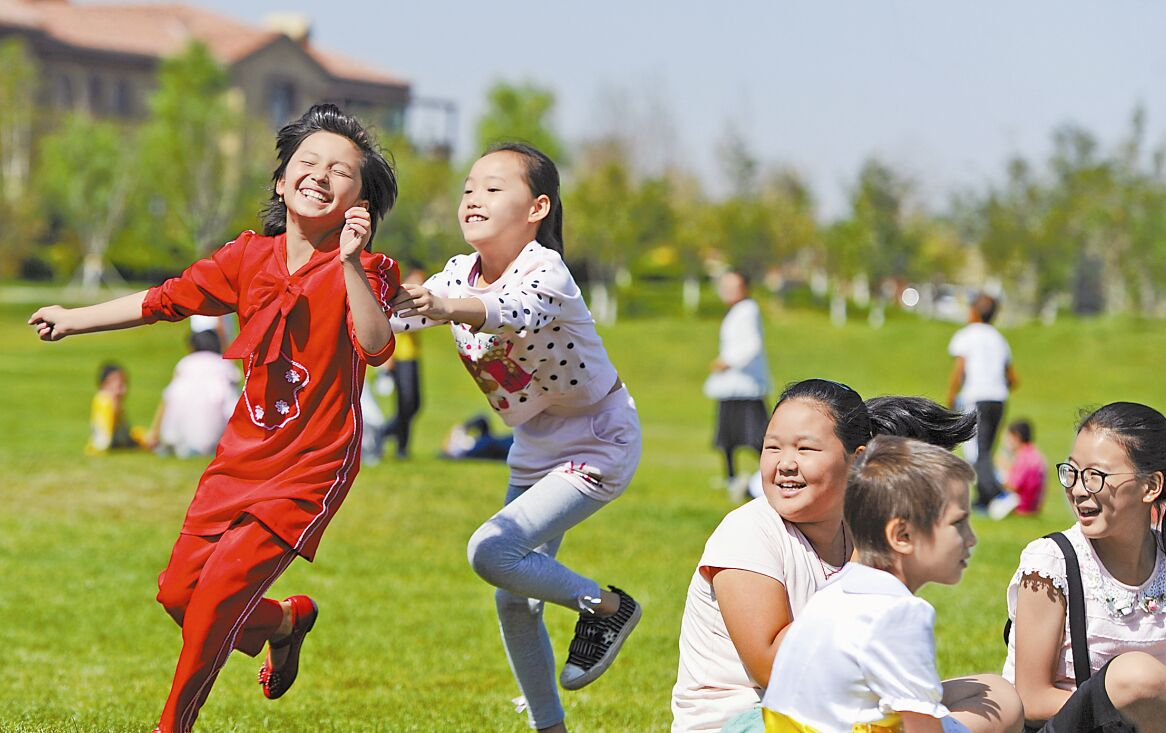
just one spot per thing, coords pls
(524, 333)
(767, 558)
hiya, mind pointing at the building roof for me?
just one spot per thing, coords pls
(165, 30)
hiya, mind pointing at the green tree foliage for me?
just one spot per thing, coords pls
(18, 210)
(202, 170)
(521, 112)
(85, 172)
(422, 228)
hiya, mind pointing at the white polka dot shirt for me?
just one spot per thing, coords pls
(538, 347)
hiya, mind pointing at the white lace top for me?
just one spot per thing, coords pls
(1119, 618)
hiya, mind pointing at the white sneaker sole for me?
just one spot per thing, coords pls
(575, 678)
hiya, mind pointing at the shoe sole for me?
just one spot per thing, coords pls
(605, 662)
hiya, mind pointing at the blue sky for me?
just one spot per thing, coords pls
(945, 91)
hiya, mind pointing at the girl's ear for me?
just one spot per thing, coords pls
(279, 188)
(540, 209)
(1154, 487)
(898, 534)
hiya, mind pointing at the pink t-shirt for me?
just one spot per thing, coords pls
(1026, 476)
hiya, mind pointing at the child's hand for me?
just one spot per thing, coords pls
(415, 300)
(355, 234)
(52, 323)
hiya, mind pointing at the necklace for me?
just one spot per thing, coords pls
(828, 571)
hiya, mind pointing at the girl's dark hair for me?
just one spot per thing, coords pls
(1139, 429)
(378, 181)
(1022, 429)
(856, 422)
(107, 368)
(543, 179)
(206, 341)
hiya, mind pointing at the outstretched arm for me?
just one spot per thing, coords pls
(53, 322)
(416, 300)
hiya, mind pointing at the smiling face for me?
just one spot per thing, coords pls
(1123, 504)
(803, 464)
(497, 206)
(322, 179)
(942, 555)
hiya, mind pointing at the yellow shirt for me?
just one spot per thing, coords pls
(408, 347)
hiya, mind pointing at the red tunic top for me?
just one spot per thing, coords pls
(291, 449)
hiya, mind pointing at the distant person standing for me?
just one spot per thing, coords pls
(981, 379)
(740, 377)
(405, 368)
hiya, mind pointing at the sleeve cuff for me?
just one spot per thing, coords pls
(493, 322)
(379, 357)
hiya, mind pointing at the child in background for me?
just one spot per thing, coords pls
(861, 654)
(405, 368)
(767, 559)
(1114, 482)
(312, 309)
(108, 427)
(198, 401)
(1024, 477)
(524, 333)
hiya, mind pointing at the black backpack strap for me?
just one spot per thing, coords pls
(1075, 598)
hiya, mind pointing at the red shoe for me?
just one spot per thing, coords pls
(278, 681)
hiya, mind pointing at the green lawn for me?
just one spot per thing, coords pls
(407, 639)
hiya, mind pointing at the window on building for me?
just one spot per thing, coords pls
(65, 92)
(96, 94)
(281, 102)
(394, 120)
(123, 98)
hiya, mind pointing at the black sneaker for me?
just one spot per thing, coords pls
(597, 641)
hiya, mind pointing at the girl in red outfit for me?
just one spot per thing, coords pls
(312, 306)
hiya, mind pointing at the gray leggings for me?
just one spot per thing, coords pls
(515, 551)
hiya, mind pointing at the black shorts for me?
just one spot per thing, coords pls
(1089, 710)
(741, 423)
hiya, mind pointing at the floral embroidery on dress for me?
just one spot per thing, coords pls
(272, 391)
(1120, 600)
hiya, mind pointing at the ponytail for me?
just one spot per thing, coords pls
(921, 419)
(543, 179)
(856, 422)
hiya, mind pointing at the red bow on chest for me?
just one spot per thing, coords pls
(273, 296)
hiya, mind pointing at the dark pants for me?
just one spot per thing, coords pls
(407, 377)
(1089, 710)
(988, 416)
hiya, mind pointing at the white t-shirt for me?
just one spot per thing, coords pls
(1118, 617)
(861, 651)
(199, 400)
(711, 682)
(742, 347)
(986, 358)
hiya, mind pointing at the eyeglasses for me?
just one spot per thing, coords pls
(1092, 479)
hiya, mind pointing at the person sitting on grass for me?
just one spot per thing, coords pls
(1024, 474)
(861, 654)
(108, 427)
(1112, 678)
(767, 558)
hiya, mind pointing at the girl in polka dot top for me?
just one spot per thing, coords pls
(525, 335)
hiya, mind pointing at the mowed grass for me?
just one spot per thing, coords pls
(407, 638)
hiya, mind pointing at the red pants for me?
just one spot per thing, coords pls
(213, 587)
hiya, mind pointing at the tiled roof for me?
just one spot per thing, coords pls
(163, 30)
